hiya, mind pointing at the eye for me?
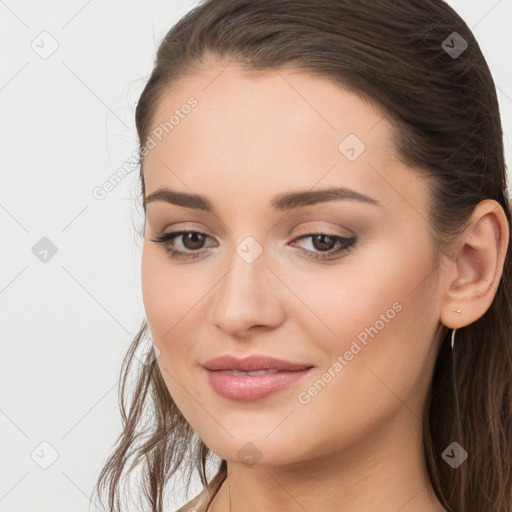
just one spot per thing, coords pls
(328, 245)
(191, 241)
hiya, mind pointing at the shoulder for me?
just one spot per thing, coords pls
(198, 504)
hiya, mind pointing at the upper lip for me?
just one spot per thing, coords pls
(252, 363)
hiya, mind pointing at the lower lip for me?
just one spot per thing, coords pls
(247, 388)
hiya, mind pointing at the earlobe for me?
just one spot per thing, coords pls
(473, 277)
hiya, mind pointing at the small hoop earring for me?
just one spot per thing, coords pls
(453, 330)
(453, 337)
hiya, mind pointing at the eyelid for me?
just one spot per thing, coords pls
(302, 230)
(316, 230)
(184, 226)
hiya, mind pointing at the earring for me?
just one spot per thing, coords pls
(453, 337)
(453, 330)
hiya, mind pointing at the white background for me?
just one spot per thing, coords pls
(67, 124)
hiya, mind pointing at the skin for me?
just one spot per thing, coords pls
(357, 443)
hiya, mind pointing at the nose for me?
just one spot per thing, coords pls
(248, 297)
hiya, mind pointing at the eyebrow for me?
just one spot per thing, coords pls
(281, 202)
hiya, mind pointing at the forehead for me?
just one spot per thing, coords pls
(263, 102)
(261, 130)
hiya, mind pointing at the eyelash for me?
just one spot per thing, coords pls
(348, 243)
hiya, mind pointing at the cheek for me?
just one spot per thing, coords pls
(377, 312)
(167, 289)
(169, 294)
(342, 300)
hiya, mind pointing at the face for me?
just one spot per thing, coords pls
(343, 284)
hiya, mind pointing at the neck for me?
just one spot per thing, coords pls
(385, 474)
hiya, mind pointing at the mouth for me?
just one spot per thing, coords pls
(249, 386)
(253, 363)
(256, 372)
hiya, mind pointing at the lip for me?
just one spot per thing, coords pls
(247, 388)
(253, 363)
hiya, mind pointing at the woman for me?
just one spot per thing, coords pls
(325, 267)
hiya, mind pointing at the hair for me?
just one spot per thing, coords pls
(445, 120)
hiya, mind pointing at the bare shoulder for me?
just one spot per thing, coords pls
(198, 504)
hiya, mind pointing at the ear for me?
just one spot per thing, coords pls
(472, 278)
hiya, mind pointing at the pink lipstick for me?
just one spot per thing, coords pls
(254, 377)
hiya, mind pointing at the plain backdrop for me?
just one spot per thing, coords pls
(70, 292)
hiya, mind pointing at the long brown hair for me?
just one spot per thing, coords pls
(409, 58)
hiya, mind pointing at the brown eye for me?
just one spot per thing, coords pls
(193, 240)
(182, 244)
(323, 242)
(324, 246)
